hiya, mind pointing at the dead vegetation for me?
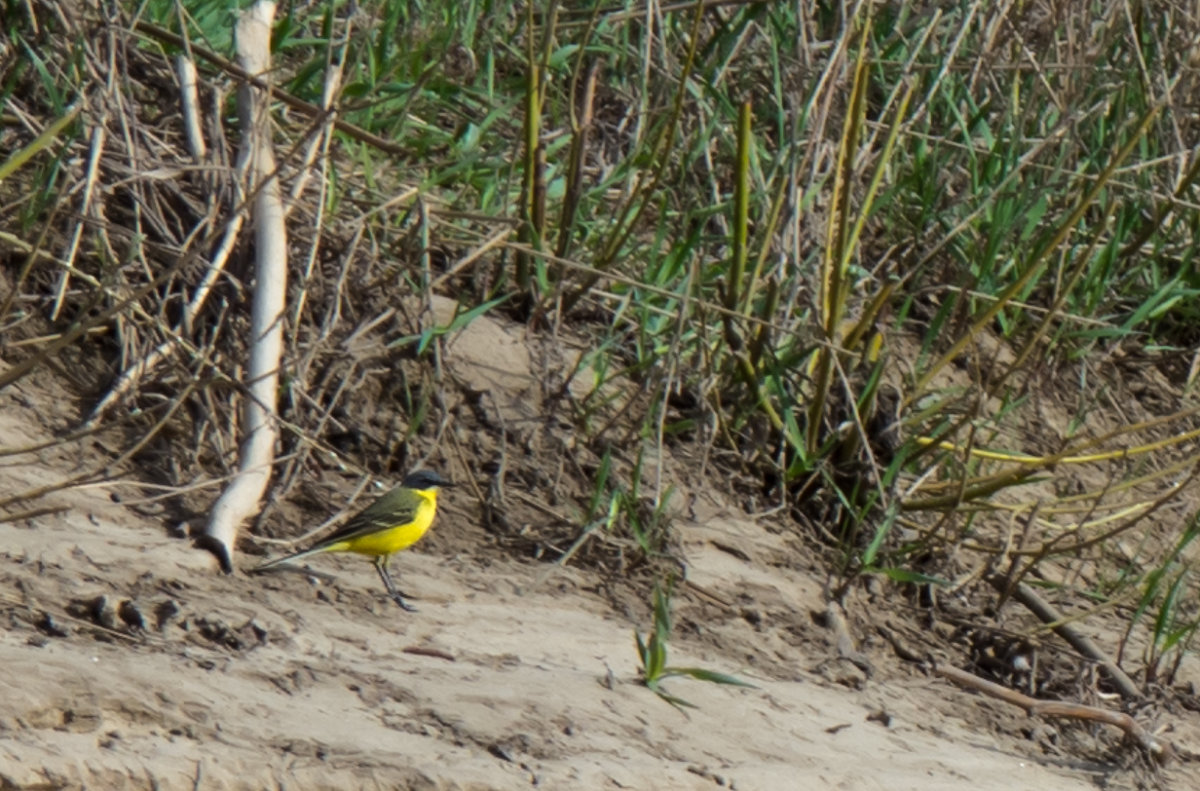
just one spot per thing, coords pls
(932, 317)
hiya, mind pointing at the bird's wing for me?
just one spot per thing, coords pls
(390, 510)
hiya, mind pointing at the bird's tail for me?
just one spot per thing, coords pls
(270, 564)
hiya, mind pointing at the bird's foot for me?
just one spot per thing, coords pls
(398, 597)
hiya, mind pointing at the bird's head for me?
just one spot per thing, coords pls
(424, 480)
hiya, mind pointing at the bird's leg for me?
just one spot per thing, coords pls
(397, 595)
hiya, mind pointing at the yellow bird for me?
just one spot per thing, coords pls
(395, 521)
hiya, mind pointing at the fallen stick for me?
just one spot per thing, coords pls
(256, 452)
(1162, 752)
(1080, 642)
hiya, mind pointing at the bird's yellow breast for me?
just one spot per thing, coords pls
(394, 539)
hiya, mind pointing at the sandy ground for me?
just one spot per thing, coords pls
(207, 681)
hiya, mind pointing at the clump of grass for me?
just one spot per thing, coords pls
(652, 654)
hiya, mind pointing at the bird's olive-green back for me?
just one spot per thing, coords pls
(397, 507)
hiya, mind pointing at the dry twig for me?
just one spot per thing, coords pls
(1162, 752)
(1039, 607)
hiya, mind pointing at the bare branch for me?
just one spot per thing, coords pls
(257, 451)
